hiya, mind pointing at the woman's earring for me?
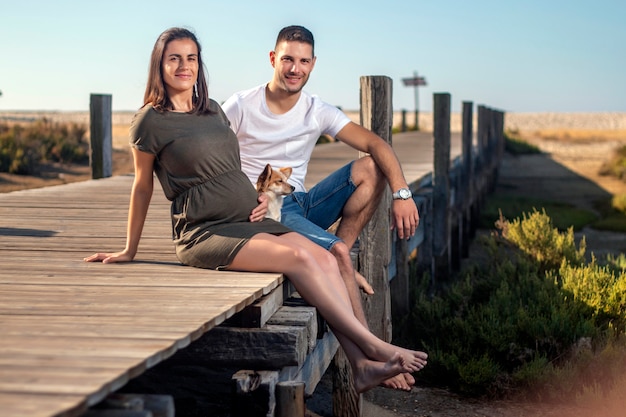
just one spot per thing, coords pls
(195, 89)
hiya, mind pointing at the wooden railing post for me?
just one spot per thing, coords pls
(101, 136)
(290, 399)
(466, 193)
(375, 239)
(500, 135)
(374, 248)
(441, 188)
(481, 165)
(403, 124)
(482, 134)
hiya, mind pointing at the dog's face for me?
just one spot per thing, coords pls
(275, 181)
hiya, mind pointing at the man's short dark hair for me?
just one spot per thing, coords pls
(296, 33)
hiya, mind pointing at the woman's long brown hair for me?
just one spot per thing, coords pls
(156, 94)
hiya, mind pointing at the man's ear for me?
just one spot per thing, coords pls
(273, 58)
(286, 171)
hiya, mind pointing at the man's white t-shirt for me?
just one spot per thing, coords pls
(282, 140)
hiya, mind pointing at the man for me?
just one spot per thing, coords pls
(279, 123)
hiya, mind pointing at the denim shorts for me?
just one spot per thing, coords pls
(311, 213)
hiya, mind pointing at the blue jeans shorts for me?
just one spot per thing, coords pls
(311, 213)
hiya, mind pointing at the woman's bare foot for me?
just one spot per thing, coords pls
(402, 382)
(363, 284)
(369, 374)
(414, 360)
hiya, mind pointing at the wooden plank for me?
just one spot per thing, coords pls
(40, 405)
(298, 316)
(73, 320)
(315, 365)
(133, 366)
(84, 381)
(257, 314)
(270, 347)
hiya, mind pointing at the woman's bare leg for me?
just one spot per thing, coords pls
(360, 365)
(366, 373)
(295, 256)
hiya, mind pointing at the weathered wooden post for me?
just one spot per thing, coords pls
(490, 147)
(482, 164)
(403, 125)
(374, 249)
(375, 240)
(101, 133)
(441, 187)
(399, 287)
(482, 132)
(466, 192)
(290, 399)
(500, 133)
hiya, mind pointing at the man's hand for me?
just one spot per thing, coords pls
(405, 218)
(259, 212)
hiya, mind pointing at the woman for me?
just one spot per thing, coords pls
(184, 137)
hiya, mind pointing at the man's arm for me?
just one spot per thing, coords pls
(405, 215)
(232, 111)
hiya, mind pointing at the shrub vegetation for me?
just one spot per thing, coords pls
(529, 317)
(516, 145)
(616, 165)
(23, 148)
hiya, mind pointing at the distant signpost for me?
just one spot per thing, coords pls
(415, 82)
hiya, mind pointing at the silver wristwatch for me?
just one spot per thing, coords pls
(402, 194)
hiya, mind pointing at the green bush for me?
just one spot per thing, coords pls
(515, 145)
(24, 147)
(616, 165)
(600, 287)
(613, 214)
(529, 315)
(535, 235)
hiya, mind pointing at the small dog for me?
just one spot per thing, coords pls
(274, 184)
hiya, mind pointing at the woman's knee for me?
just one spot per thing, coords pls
(302, 257)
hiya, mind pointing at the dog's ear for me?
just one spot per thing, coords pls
(264, 178)
(286, 171)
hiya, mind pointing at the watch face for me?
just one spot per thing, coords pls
(404, 194)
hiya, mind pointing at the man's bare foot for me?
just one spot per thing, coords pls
(369, 374)
(363, 284)
(403, 382)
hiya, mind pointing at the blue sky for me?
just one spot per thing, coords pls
(517, 56)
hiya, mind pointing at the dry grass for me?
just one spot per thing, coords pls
(120, 136)
(578, 135)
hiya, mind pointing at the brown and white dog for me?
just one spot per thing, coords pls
(274, 184)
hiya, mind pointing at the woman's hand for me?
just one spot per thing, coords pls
(259, 212)
(106, 258)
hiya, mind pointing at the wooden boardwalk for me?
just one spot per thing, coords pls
(72, 332)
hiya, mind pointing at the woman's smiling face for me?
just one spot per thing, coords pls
(180, 65)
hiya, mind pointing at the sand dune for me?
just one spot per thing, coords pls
(520, 121)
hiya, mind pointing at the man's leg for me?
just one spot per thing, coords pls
(312, 213)
(360, 207)
(293, 218)
(368, 185)
(358, 210)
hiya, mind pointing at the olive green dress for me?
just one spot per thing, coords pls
(197, 163)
